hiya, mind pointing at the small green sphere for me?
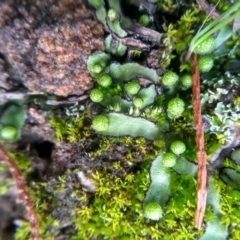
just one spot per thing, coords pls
(8, 133)
(97, 69)
(100, 123)
(169, 159)
(205, 63)
(138, 102)
(132, 87)
(144, 20)
(169, 78)
(96, 95)
(206, 45)
(153, 211)
(105, 81)
(186, 80)
(112, 15)
(176, 107)
(178, 147)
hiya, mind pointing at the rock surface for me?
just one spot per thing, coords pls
(46, 44)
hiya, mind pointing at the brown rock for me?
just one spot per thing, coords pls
(48, 42)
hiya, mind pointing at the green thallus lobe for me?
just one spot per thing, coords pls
(123, 125)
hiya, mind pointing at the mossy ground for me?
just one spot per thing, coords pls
(119, 167)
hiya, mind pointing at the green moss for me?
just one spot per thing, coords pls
(70, 129)
(117, 202)
(177, 35)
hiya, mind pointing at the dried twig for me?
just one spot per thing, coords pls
(201, 154)
(23, 194)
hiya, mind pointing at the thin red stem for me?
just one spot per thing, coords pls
(22, 192)
(201, 154)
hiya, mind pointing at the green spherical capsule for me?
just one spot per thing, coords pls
(169, 159)
(96, 95)
(235, 155)
(153, 211)
(105, 81)
(178, 147)
(100, 123)
(206, 46)
(138, 102)
(169, 78)
(186, 80)
(132, 87)
(8, 133)
(205, 63)
(176, 107)
(97, 69)
(144, 20)
(112, 15)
